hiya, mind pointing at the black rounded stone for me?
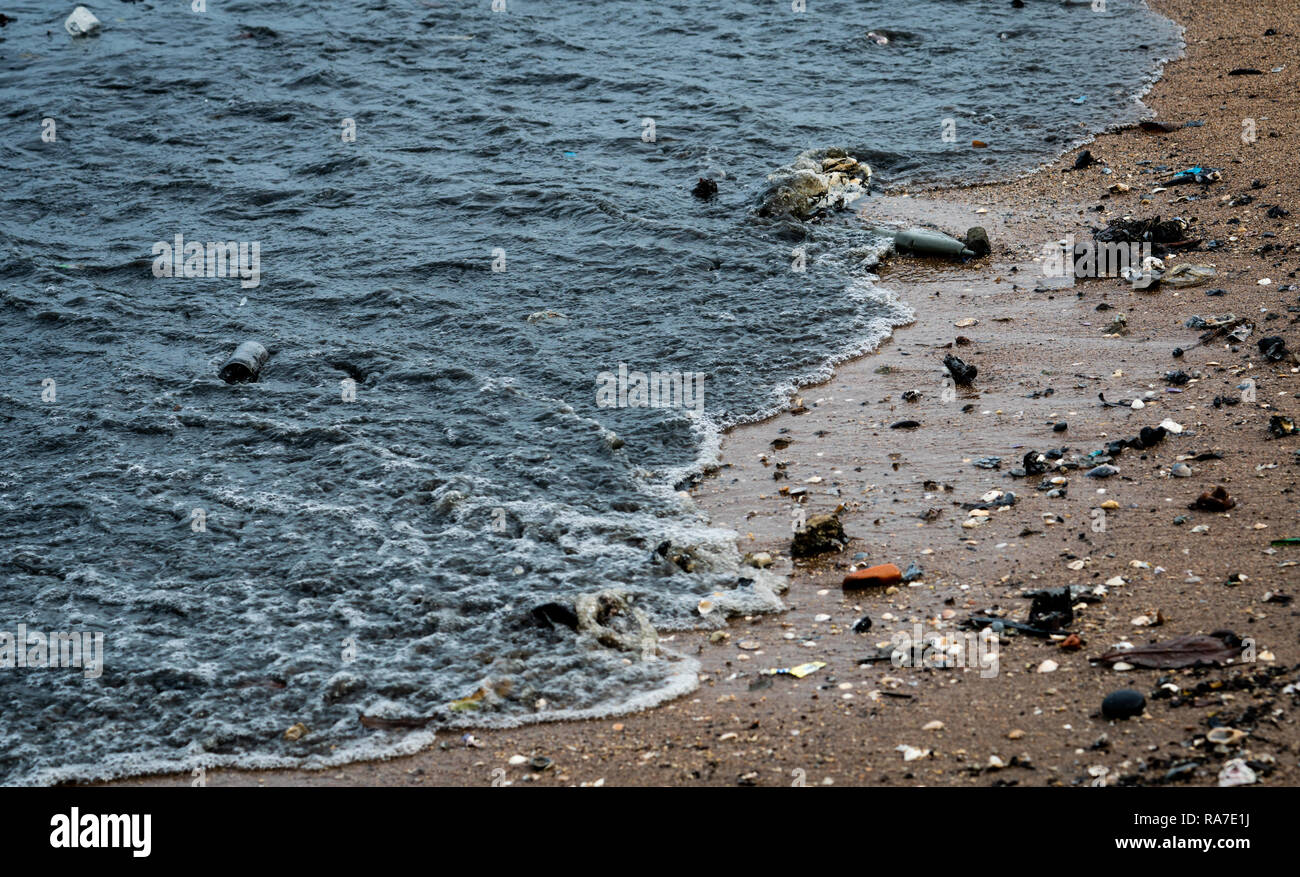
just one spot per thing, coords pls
(1123, 704)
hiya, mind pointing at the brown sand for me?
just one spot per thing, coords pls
(843, 724)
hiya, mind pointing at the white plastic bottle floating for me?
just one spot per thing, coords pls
(82, 22)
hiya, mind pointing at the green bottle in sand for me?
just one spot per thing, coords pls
(925, 242)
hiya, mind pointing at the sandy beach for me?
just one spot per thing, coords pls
(1045, 349)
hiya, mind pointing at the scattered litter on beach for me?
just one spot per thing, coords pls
(798, 672)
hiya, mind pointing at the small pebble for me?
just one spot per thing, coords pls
(1123, 704)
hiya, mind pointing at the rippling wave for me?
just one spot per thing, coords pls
(381, 557)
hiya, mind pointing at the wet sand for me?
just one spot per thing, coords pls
(899, 492)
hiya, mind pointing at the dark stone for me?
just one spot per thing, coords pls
(705, 189)
(862, 625)
(552, 614)
(977, 241)
(960, 371)
(1216, 500)
(1150, 436)
(820, 534)
(1123, 704)
(1061, 426)
(1032, 465)
(1084, 160)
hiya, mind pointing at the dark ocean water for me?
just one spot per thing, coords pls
(380, 556)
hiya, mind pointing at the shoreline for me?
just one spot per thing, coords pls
(843, 723)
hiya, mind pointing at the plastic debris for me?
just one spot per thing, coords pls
(1147, 275)
(1052, 609)
(1198, 174)
(1154, 230)
(925, 242)
(1185, 275)
(999, 625)
(881, 576)
(81, 23)
(1273, 348)
(798, 672)
(244, 364)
